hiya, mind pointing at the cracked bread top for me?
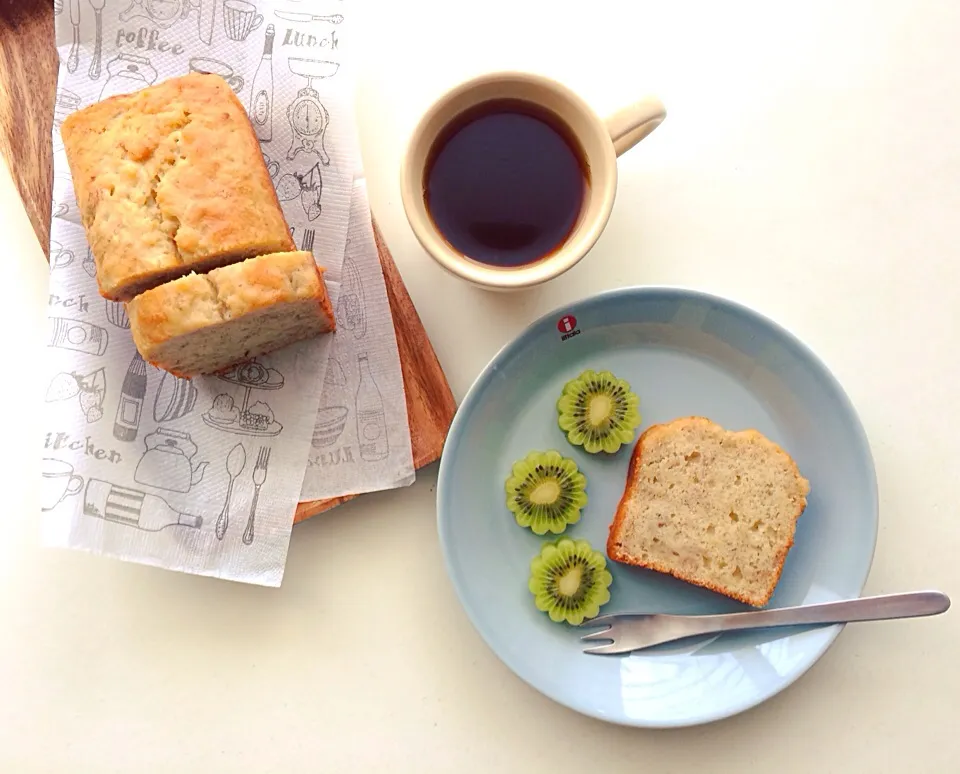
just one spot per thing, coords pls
(170, 179)
(198, 301)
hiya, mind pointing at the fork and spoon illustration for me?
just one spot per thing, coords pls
(73, 58)
(236, 461)
(98, 44)
(259, 476)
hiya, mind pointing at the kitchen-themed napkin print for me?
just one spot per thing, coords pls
(361, 441)
(204, 475)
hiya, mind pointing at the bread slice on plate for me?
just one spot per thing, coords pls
(205, 323)
(710, 506)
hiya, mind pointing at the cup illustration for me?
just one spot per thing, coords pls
(240, 18)
(202, 64)
(59, 482)
(273, 168)
(59, 255)
(117, 314)
(175, 398)
(600, 143)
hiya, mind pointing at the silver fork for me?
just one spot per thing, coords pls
(259, 476)
(308, 236)
(635, 632)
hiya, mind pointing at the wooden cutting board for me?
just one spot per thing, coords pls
(28, 84)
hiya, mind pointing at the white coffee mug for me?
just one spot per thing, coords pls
(602, 142)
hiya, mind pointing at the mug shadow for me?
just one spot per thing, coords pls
(517, 308)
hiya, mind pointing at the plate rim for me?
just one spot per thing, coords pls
(472, 396)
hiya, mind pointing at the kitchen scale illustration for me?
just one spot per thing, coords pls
(307, 116)
(255, 419)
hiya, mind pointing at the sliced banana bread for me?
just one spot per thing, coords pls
(710, 506)
(204, 323)
(170, 179)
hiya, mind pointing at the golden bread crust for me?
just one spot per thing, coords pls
(170, 179)
(198, 301)
(648, 438)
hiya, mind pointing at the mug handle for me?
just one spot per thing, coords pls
(66, 255)
(236, 82)
(257, 21)
(631, 124)
(71, 489)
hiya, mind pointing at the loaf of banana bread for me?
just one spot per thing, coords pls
(204, 323)
(171, 180)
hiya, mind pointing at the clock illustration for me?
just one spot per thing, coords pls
(162, 12)
(307, 116)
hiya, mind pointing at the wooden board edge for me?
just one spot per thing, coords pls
(29, 65)
(430, 401)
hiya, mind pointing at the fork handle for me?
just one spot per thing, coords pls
(98, 47)
(248, 532)
(911, 604)
(224, 516)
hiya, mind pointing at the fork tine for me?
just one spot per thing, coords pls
(600, 620)
(610, 647)
(603, 634)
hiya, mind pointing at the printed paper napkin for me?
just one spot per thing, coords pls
(204, 475)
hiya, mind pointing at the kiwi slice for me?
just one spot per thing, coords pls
(569, 580)
(598, 411)
(545, 492)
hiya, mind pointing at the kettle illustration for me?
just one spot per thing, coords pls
(166, 462)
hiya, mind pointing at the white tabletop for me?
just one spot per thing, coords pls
(808, 166)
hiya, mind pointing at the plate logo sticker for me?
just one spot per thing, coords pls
(567, 325)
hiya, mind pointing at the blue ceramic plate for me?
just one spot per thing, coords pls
(683, 353)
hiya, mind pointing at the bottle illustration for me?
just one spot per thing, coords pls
(261, 94)
(133, 508)
(132, 393)
(371, 422)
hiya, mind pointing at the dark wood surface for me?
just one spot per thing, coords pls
(28, 83)
(28, 87)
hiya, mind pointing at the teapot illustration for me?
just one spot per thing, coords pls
(127, 73)
(166, 462)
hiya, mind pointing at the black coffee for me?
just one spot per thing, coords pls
(504, 183)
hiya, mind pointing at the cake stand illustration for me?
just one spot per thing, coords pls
(255, 419)
(307, 116)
